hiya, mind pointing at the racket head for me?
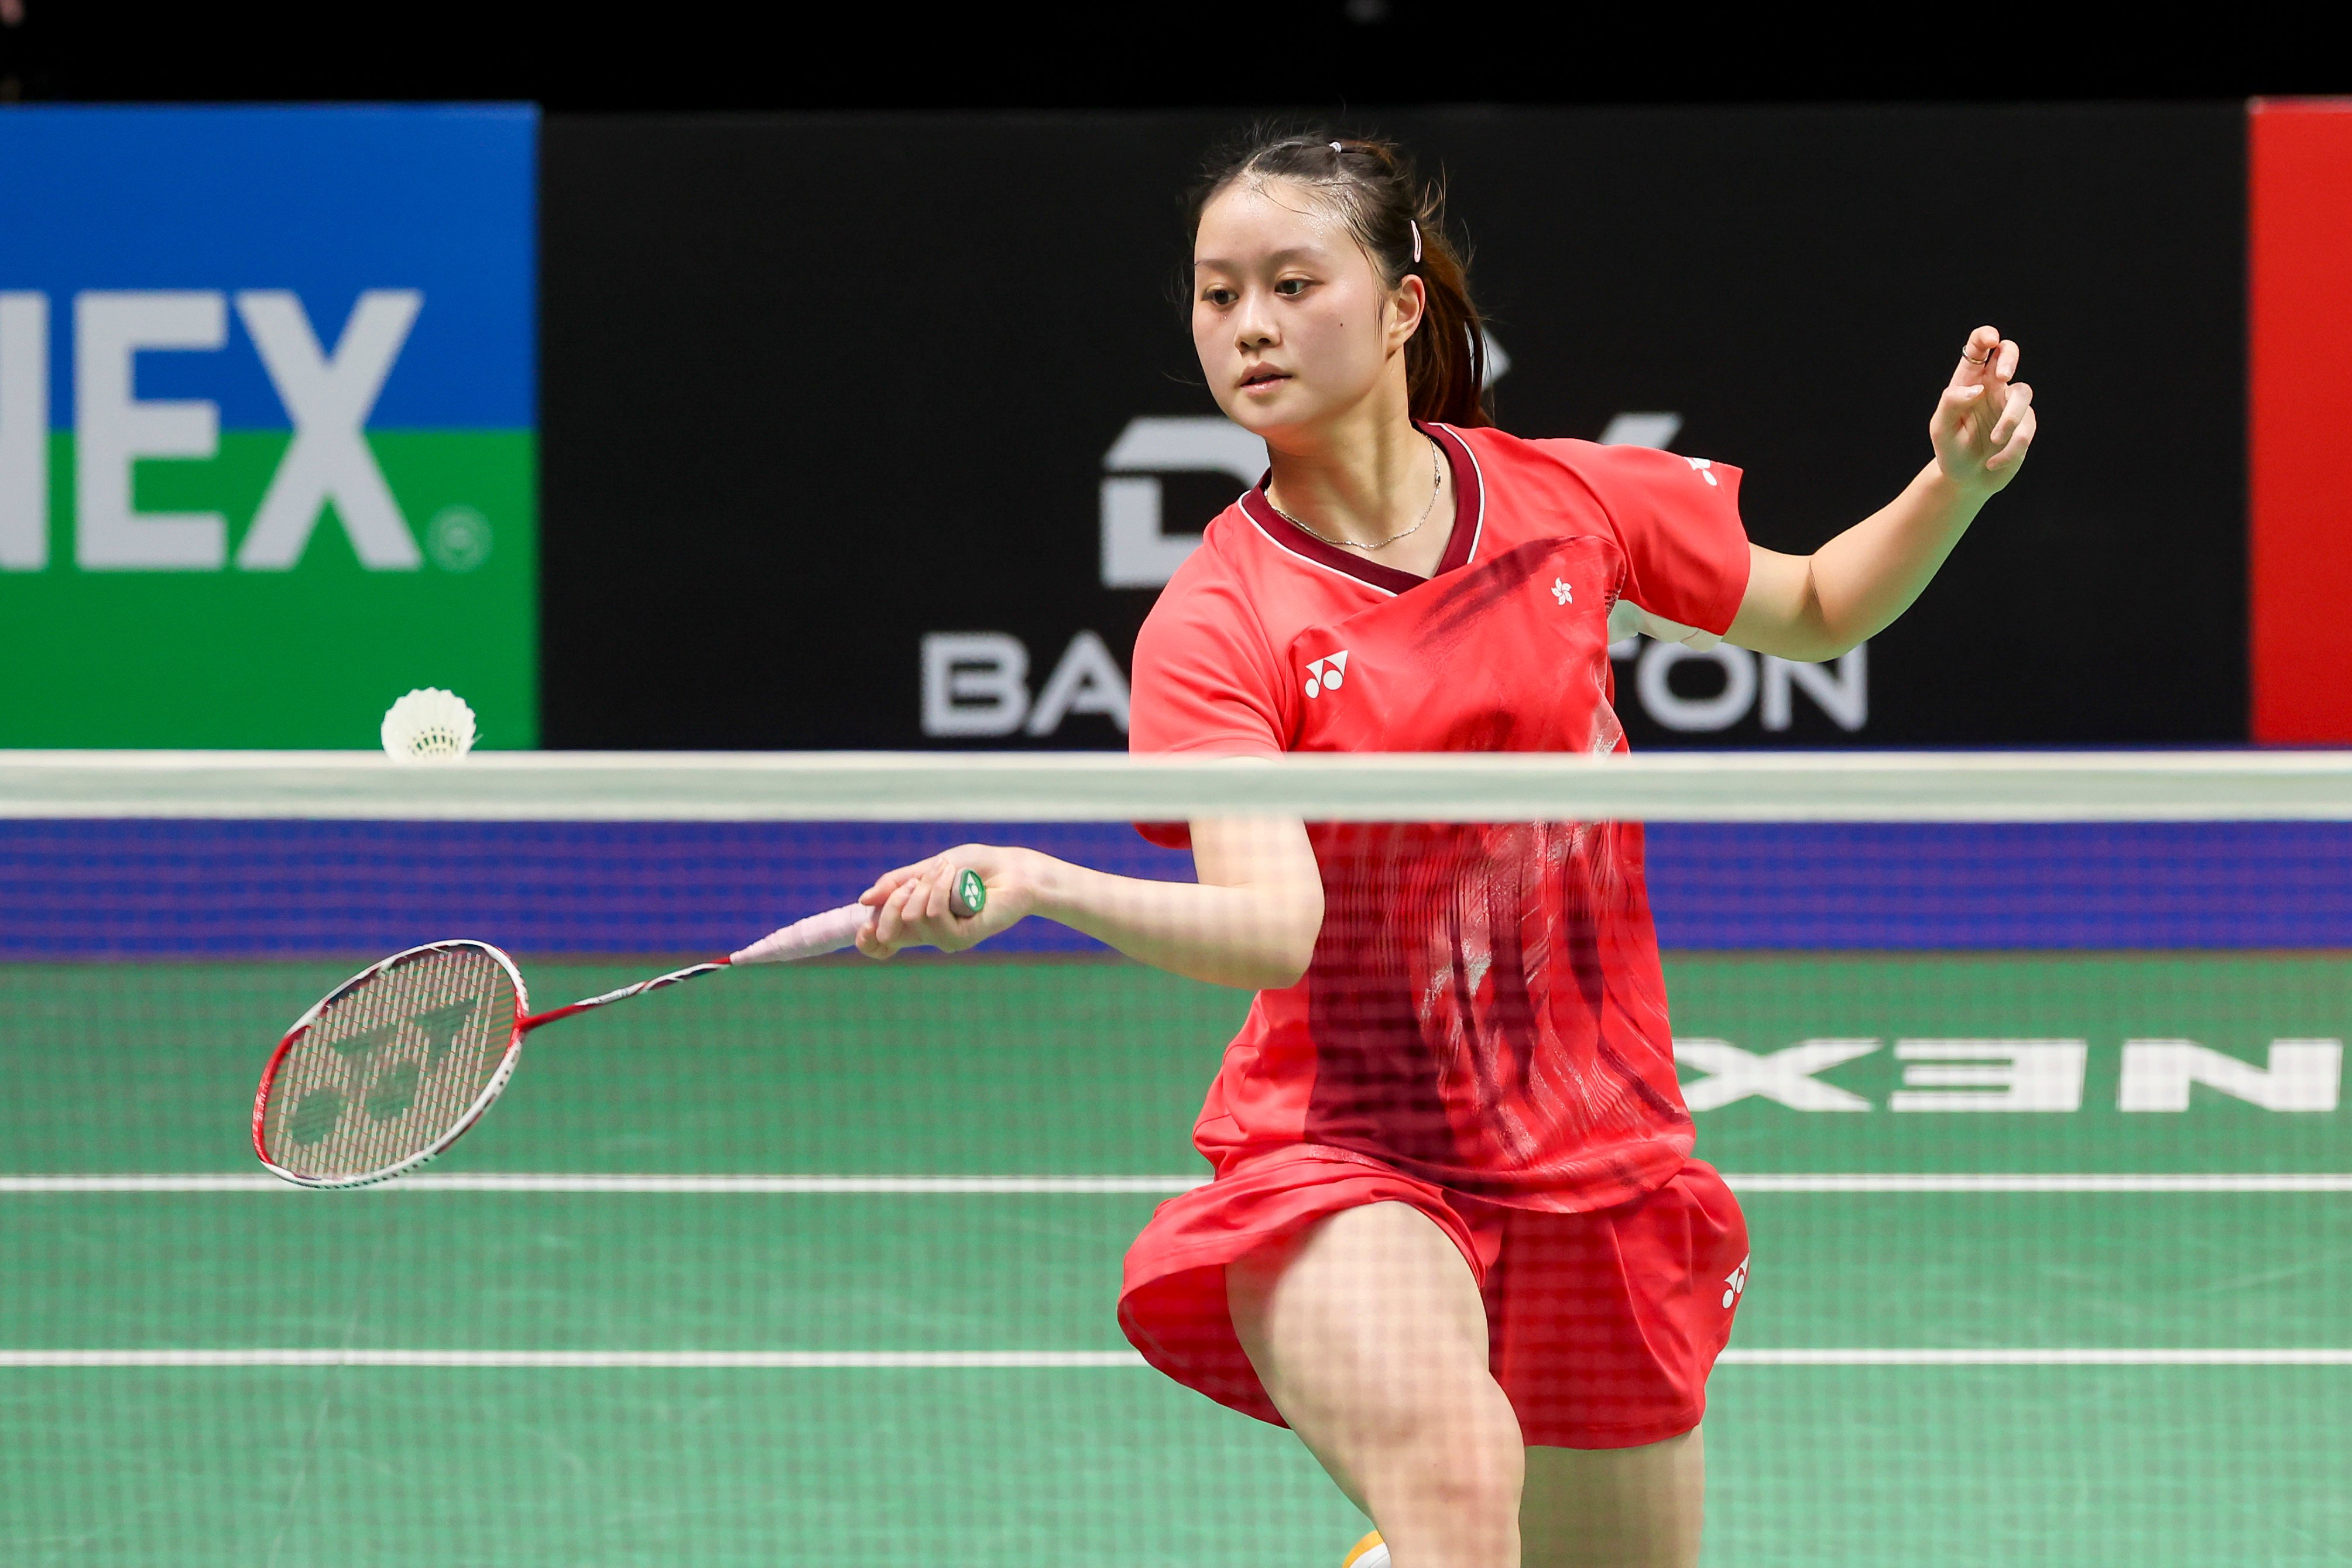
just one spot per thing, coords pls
(391, 1067)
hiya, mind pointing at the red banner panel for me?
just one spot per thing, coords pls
(2300, 404)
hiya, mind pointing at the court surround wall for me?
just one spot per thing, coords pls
(820, 387)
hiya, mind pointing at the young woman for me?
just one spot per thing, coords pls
(1456, 1239)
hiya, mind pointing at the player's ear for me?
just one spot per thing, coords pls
(1407, 306)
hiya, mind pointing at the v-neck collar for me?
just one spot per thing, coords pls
(1461, 548)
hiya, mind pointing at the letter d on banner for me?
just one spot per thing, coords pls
(1135, 553)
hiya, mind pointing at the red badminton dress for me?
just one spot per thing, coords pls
(1481, 1031)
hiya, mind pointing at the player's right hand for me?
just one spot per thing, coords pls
(912, 909)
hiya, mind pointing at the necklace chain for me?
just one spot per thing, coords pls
(1436, 483)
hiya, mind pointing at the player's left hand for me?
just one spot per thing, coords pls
(1984, 422)
(912, 909)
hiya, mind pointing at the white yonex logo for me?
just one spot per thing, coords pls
(1786, 1076)
(1562, 592)
(327, 397)
(1735, 1281)
(1327, 673)
(1702, 466)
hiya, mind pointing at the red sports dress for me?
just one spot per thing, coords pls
(1481, 1031)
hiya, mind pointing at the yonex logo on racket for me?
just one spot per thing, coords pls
(1327, 673)
(384, 1091)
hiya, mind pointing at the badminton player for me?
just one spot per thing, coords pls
(1456, 1239)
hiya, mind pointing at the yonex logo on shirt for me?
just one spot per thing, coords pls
(1737, 1282)
(1703, 467)
(1327, 673)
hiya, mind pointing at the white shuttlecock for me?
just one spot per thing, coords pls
(429, 726)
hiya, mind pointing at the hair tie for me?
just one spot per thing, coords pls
(1416, 240)
(1336, 148)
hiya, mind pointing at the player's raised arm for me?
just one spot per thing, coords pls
(1819, 606)
(1250, 921)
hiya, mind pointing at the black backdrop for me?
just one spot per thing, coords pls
(815, 387)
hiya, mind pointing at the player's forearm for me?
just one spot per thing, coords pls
(1254, 936)
(1820, 606)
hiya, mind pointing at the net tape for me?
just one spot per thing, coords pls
(1109, 787)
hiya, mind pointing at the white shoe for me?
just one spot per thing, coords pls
(1371, 1552)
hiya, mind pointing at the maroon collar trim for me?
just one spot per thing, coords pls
(1461, 547)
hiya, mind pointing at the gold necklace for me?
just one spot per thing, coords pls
(1436, 483)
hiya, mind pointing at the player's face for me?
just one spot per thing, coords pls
(1292, 323)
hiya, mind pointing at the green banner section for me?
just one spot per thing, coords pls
(1915, 1024)
(310, 656)
(1094, 1068)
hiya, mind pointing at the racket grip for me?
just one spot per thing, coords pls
(838, 929)
(826, 933)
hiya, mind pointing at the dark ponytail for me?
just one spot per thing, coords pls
(1372, 187)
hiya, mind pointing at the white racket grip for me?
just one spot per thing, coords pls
(826, 933)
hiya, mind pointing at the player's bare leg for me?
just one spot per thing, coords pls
(1368, 1332)
(1615, 1508)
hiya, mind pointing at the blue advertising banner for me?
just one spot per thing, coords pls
(113, 889)
(267, 411)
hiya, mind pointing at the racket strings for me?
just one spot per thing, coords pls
(393, 1066)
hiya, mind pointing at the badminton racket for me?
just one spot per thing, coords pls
(393, 1065)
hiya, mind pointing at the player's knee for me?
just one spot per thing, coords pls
(1479, 1486)
(1465, 1467)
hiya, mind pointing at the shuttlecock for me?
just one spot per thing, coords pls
(428, 726)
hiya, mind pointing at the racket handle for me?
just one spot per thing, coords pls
(838, 929)
(826, 933)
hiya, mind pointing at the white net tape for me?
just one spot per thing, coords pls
(1107, 787)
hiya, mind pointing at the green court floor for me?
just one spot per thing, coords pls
(2100, 1422)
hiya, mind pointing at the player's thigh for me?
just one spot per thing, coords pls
(1369, 1332)
(1615, 1508)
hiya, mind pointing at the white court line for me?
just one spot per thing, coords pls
(502, 1182)
(802, 1360)
(1899, 1181)
(1864, 1182)
(2056, 1357)
(748, 1359)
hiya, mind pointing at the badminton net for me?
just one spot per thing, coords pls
(2026, 1074)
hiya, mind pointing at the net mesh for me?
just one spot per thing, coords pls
(391, 1066)
(2036, 1127)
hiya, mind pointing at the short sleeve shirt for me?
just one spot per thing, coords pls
(1484, 1007)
